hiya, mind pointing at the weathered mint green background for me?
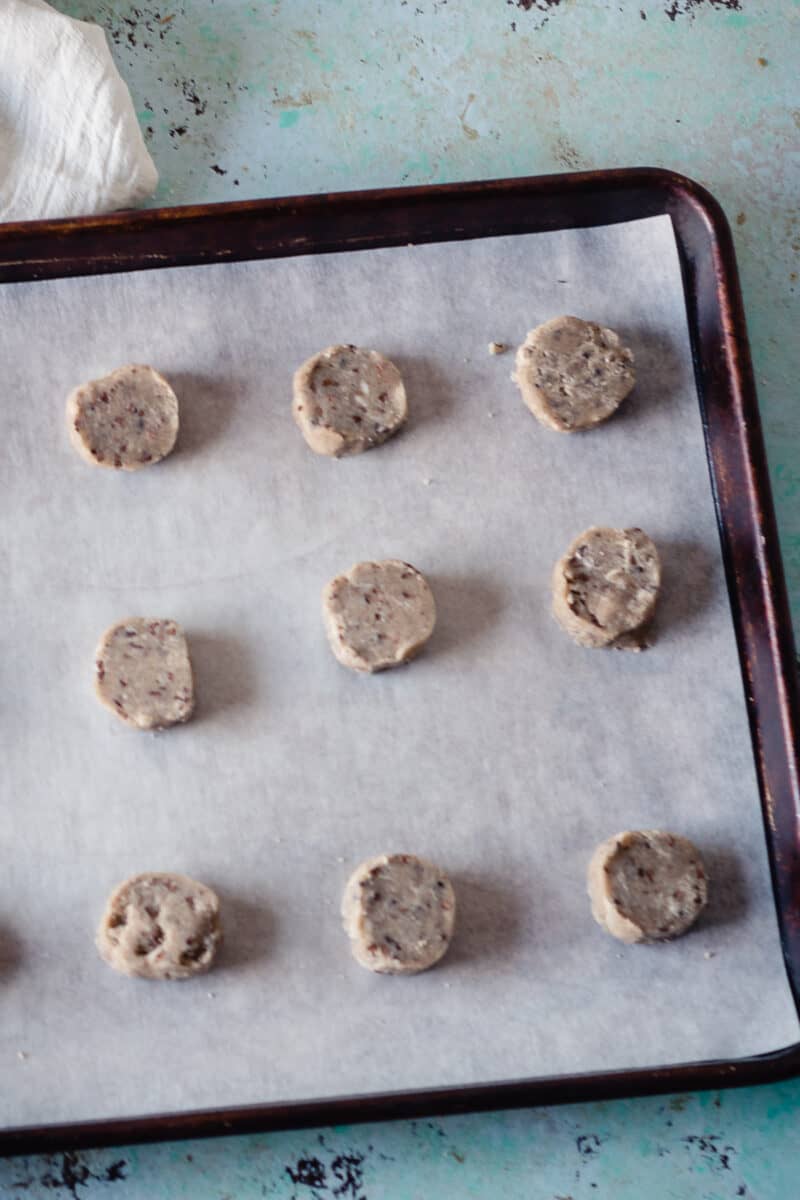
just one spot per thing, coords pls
(247, 98)
(710, 1146)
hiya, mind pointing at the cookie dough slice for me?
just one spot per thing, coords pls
(160, 926)
(606, 585)
(573, 374)
(399, 913)
(143, 673)
(378, 615)
(647, 885)
(347, 400)
(127, 419)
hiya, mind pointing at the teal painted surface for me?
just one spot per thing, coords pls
(249, 98)
(708, 1146)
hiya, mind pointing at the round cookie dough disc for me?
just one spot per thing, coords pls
(606, 585)
(647, 885)
(160, 926)
(399, 912)
(347, 400)
(143, 673)
(378, 615)
(127, 419)
(573, 374)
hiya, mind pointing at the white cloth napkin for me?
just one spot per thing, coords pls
(70, 143)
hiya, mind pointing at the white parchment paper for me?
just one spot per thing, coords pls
(505, 752)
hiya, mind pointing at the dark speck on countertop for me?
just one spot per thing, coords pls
(67, 1172)
(685, 8)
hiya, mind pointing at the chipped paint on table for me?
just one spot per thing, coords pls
(707, 1146)
(252, 98)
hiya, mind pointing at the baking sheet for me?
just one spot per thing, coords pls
(504, 752)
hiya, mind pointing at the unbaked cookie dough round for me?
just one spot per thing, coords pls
(378, 615)
(573, 374)
(143, 673)
(126, 420)
(399, 912)
(160, 925)
(347, 400)
(606, 585)
(647, 885)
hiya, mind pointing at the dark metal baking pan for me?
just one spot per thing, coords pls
(740, 485)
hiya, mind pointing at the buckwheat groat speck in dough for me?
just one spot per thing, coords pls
(143, 673)
(606, 585)
(127, 419)
(399, 912)
(573, 374)
(647, 885)
(347, 400)
(378, 615)
(160, 925)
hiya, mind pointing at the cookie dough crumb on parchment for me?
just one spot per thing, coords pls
(160, 925)
(378, 614)
(126, 420)
(573, 374)
(647, 885)
(347, 400)
(143, 673)
(399, 913)
(606, 586)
